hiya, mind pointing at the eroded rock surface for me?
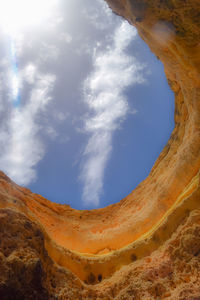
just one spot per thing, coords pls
(147, 246)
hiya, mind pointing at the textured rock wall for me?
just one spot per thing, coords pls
(147, 246)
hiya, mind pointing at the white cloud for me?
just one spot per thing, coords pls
(21, 147)
(60, 116)
(51, 132)
(65, 37)
(29, 73)
(95, 14)
(114, 71)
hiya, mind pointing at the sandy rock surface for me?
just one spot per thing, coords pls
(147, 246)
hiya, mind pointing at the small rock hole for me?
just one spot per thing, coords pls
(99, 277)
(133, 257)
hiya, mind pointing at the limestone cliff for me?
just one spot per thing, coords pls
(147, 246)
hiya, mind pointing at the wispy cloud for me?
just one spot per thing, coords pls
(114, 71)
(21, 141)
(21, 148)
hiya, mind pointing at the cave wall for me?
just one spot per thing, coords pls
(147, 246)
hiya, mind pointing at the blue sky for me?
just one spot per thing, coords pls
(93, 106)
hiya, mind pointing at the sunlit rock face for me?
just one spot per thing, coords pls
(148, 245)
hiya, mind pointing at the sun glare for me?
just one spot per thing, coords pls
(18, 15)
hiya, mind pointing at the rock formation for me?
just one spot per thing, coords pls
(147, 246)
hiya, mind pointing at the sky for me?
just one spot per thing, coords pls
(85, 108)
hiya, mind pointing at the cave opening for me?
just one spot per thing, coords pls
(95, 108)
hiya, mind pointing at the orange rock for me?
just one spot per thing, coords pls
(51, 251)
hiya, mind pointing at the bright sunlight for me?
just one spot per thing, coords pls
(18, 15)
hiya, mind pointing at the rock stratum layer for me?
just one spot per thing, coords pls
(147, 246)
